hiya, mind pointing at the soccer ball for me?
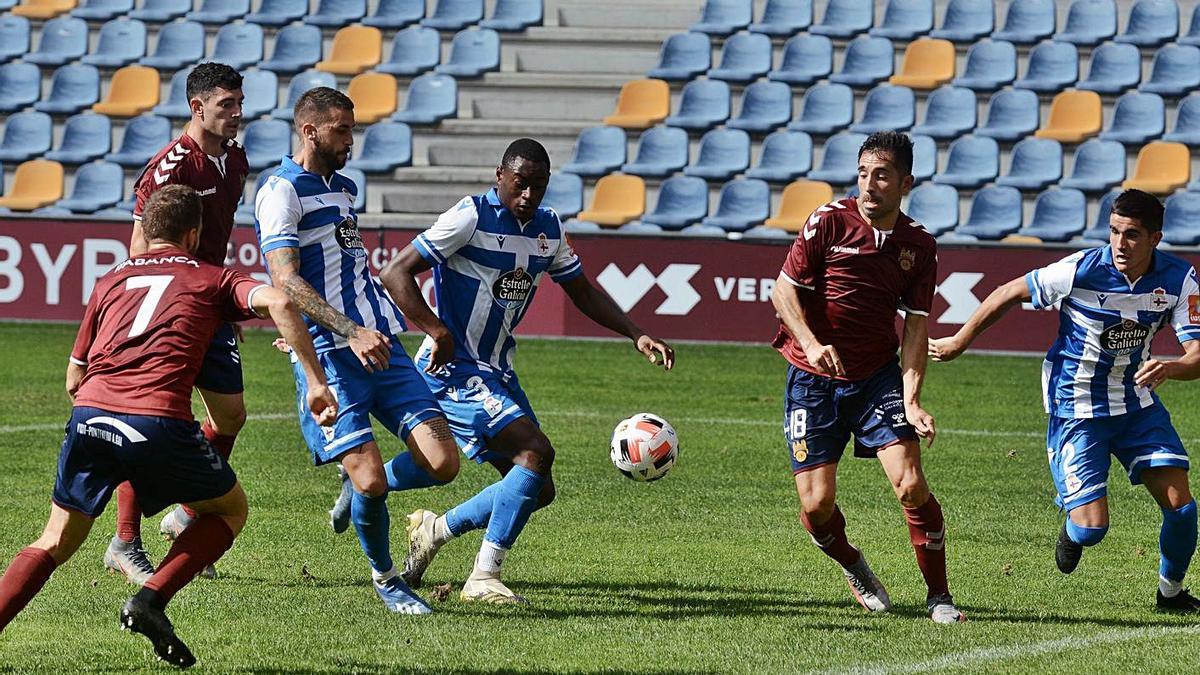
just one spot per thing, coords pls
(644, 447)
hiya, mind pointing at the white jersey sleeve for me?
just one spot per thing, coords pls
(566, 265)
(1185, 316)
(277, 211)
(452, 231)
(1050, 284)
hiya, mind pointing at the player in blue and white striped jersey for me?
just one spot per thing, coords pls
(1099, 380)
(489, 253)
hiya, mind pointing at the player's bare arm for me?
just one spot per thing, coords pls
(599, 307)
(997, 303)
(399, 277)
(1154, 372)
(276, 304)
(913, 359)
(787, 304)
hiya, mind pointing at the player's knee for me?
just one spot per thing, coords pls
(228, 422)
(912, 491)
(818, 508)
(537, 456)
(373, 486)
(444, 466)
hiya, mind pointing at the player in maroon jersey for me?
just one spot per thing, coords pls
(138, 352)
(208, 159)
(855, 262)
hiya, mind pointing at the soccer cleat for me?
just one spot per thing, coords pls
(339, 515)
(942, 610)
(489, 589)
(130, 559)
(421, 546)
(1181, 603)
(138, 616)
(868, 590)
(172, 525)
(1066, 552)
(399, 598)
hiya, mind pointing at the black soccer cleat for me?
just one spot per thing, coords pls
(140, 617)
(1182, 603)
(1066, 552)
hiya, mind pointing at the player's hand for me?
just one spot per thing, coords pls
(1151, 373)
(945, 349)
(323, 404)
(825, 359)
(442, 352)
(371, 347)
(238, 334)
(922, 421)
(282, 345)
(658, 352)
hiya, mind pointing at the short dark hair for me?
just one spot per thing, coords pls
(526, 148)
(208, 76)
(1140, 206)
(893, 143)
(171, 212)
(314, 105)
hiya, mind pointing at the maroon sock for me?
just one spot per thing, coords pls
(223, 443)
(927, 530)
(830, 537)
(200, 545)
(129, 513)
(22, 580)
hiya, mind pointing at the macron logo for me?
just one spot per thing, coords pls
(628, 290)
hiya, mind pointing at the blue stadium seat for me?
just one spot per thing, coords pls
(638, 227)
(766, 106)
(1089, 22)
(98, 185)
(360, 182)
(297, 47)
(278, 13)
(63, 39)
(1028, 21)
(949, 113)
(966, 21)
(934, 206)
(1114, 68)
(905, 19)
(1181, 219)
(1059, 214)
(724, 17)
(564, 194)
(144, 136)
(598, 151)
(682, 201)
(161, 11)
(26, 136)
(261, 88)
(121, 42)
(1175, 71)
(473, 52)
(219, 11)
(102, 10)
(741, 205)
(1098, 166)
(866, 62)
(887, 106)
(245, 210)
(925, 154)
(239, 45)
(825, 109)
(415, 50)
(299, 84)
(661, 151)
(845, 18)
(1052, 67)
(179, 44)
(266, 142)
(1098, 232)
(86, 136)
(744, 58)
(385, 147)
(1137, 118)
(683, 57)
(431, 98)
(781, 18)
(1012, 114)
(1187, 121)
(1151, 23)
(839, 159)
(20, 86)
(393, 14)
(14, 37)
(1192, 37)
(455, 14)
(703, 104)
(514, 15)
(337, 13)
(785, 156)
(176, 106)
(72, 88)
(970, 162)
(991, 64)
(723, 153)
(806, 59)
(995, 213)
(1035, 164)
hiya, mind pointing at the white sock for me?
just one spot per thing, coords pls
(441, 531)
(182, 517)
(1169, 588)
(380, 577)
(490, 558)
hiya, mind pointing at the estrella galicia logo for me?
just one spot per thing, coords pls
(1124, 338)
(346, 233)
(512, 288)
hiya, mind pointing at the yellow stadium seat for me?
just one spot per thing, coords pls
(800, 199)
(374, 96)
(43, 9)
(928, 64)
(355, 49)
(641, 105)
(134, 90)
(1162, 167)
(1074, 117)
(618, 199)
(1022, 240)
(38, 183)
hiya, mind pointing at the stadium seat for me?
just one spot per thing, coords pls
(355, 49)
(278, 13)
(966, 21)
(934, 206)
(723, 17)
(239, 45)
(415, 50)
(1187, 121)
(431, 98)
(785, 156)
(1192, 37)
(925, 156)
(905, 19)
(20, 86)
(176, 106)
(1098, 232)
(845, 18)
(661, 151)
(85, 137)
(1052, 66)
(393, 14)
(1074, 117)
(703, 104)
(839, 159)
(781, 18)
(337, 13)
(385, 147)
(995, 213)
(374, 96)
(949, 113)
(806, 59)
(299, 84)
(179, 44)
(741, 204)
(219, 11)
(722, 154)
(825, 109)
(598, 150)
(1136, 119)
(641, 104)
(14, 37)
(991, 64)
(683, 57)
(102, 10)
(1059, 214)
(1098, 165)
(564, 194)
(72, 88)
(1181, 219)
(1089, 22)
(42, 9)
(26, 135)
(455, 15)
(800, 198)
(245, 210)
(744, 58)
(1151, 23)
(37, 183)
(682, 201)
(261, 88)
(765, 107)
(63, 39)
(616, 200)
(866, 62)
(144, 136)
(473, 52)
(1035, 164)
(1175, 71)
(1012, 114)
(161, 11)
(1028, 21)
(132, 91)
(971, 162)
(1162, 168)
(266, 142)
(297, 48)
(886, 107)
(98, 185)
(928, 64)
(514, 15)
(121, 42)
(1114, 68)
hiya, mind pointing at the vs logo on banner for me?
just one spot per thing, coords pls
(675, 281)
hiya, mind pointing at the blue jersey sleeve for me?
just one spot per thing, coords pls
(1050, 284)
(1185, 317)
(277, 214)
(452, 231)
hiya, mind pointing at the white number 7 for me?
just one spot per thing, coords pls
(157, 285)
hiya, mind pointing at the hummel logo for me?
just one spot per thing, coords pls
(809, 232)
(209, 191)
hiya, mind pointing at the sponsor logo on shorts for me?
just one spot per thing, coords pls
(799, 450)
(512, 288)
(103, 434)
(1124, 338)
(346, 233)
(492, 405)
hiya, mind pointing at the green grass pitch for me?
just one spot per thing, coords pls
(706, 570)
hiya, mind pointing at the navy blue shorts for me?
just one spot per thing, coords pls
(166, 460)
(820, 414)
(222, 368)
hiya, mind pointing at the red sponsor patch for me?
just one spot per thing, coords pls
(1193, 308)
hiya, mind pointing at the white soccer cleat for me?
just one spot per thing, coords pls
(868, 590)
(942, 610)
(422, 546)
(129, 559)
(489, 589)
(172, 525)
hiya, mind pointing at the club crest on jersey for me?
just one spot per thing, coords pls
(1160, 298)
(907, 258)
(800, 450)
(1124, 338)
(543, 245)
(512, 288)
(346, 233)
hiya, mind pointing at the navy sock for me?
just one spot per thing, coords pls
(404, 474)
(474, 513)
(515, 502)
(371, 521)
(1177, 541)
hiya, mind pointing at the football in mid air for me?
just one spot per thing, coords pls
(644, 447)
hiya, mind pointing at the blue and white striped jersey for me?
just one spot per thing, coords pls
(298, 209)
(1105, 328)
(486, 269)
